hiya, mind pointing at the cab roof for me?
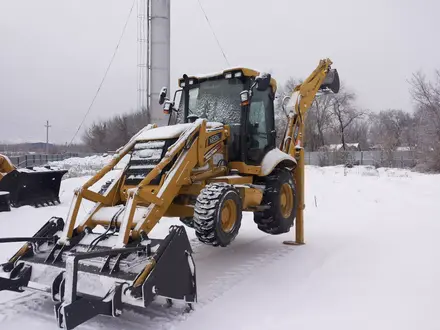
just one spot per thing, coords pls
(245, 72)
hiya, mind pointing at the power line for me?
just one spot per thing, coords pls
(106, 72)
(212, 30)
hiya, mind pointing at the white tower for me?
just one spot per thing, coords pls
(143, 76)
(160, 57)
(153, 56)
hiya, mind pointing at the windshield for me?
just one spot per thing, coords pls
(215, 100)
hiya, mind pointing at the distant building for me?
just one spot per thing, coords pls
(338, 147)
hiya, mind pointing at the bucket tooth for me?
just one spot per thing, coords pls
(36, 188)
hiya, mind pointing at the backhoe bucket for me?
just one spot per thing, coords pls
(86, 279)
(331, 81)
(33, 187)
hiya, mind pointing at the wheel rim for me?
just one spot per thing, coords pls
(286, 200)
(228, 215)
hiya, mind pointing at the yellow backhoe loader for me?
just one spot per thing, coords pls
(30, 186)
(216, 158)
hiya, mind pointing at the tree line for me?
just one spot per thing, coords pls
(332, 119)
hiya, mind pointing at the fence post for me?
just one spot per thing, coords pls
(362, 158)
(25, 161)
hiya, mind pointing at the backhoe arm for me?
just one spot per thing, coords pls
(322, 78)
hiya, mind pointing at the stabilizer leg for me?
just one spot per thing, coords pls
(299, 221)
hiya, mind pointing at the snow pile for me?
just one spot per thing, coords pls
(369, 262)
(366, 170)
(84, 166)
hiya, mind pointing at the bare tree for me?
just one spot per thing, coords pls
(321, 110)
(344, 112)
(95, 137)
(391, 128)
(359, 131)
(426, 95)
(110, 134)
(285, 89)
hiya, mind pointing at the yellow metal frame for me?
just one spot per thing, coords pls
(293, 142)
(6, 166)
(190, 152)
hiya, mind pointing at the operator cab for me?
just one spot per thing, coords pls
(217, 98)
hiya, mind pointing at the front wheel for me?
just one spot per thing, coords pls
(217, 214)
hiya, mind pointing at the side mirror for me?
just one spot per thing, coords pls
(244, 97)
(167, 107)
(162, 95)
(263, 81)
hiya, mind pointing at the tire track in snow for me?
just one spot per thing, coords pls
(39, 306)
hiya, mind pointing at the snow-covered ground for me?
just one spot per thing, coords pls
(370, 262)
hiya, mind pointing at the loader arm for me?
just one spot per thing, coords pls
(188, 152)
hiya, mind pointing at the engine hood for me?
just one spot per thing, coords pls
(169, 132)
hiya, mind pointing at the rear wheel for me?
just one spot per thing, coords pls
(217, 214)
(280, 196)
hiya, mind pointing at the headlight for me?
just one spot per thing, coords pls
(228, 75)
(238, 74)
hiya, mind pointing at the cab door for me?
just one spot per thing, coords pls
(260, 127)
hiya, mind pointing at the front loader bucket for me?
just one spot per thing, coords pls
(33, 187)
(331, 81)
(85, 283)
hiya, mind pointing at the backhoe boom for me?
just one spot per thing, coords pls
(324, 79)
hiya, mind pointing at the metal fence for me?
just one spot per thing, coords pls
(40, 159)
(400, 159)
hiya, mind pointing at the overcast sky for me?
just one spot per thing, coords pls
(54, 53)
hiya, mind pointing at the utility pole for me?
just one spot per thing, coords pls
(47, 136)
